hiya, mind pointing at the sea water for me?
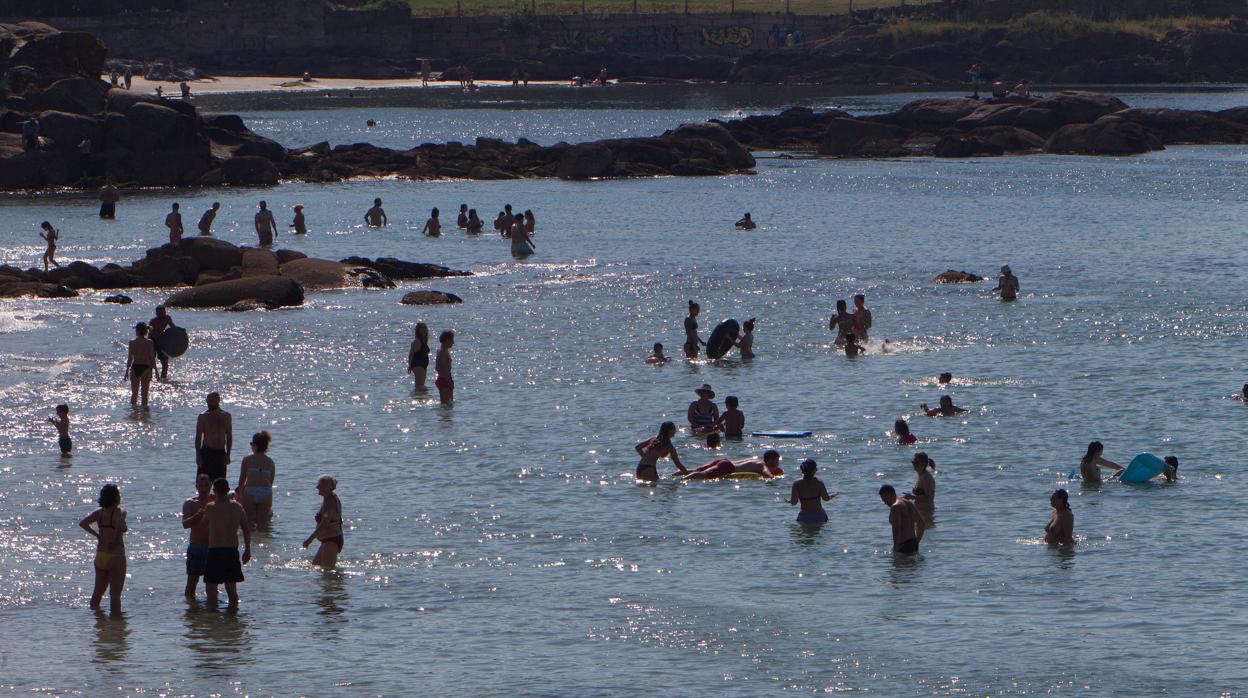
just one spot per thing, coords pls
(502, 547)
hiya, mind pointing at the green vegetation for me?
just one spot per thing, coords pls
(378, 5)
(440, 8)
(1062, 25)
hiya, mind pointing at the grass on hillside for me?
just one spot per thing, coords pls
(450, 8)
(1049, 25)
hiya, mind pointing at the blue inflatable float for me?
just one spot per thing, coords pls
(1143, 468)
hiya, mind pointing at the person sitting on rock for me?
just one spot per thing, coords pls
(1023, 89)
(746, 223)
(999, 90)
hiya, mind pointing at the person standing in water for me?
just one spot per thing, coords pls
(746, 343)
(266, 225)
(732, 421)
(842, 323)
(433, 226)
(810, 493)
(155, 328)
(521, 244)
(1092, 462)
(255, 481)
(375, 217)
(173, 222)
(328, 524)
(461, 221)
(530, 222)
(746, 223)
(109, 196)
(224, 566)
(418, 355)
(905, 520)
(214, 439)
(110, 549)
(299, 224)
(852, 347)
(61, 422)
(474, 224)
(692, 340)
(657, 357)
(862, 319)
(651, 450)
(206, 220)
(703, 413)
(50, 235)
(193, 520)
(924, 492)
(508, 221)
(445, 382)
(1061, 527)
(1007, 284)
(140, 358)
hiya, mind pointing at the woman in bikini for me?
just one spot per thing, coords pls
(811, 494)
(1061, 527)
(139, 362)
(110, 551)
(328, 524)
(703, 412)
(418, 355)
(651, 450)
(924, 493)
(692, 341)
(255, 481)
(1092, 462)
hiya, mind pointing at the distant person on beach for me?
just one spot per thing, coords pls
(418, 355)
(214, 439)
(375, 217)
(445, 382)
(946, 408)
(810, 493)
(461, 221)
(1092, 462)
(902, 430)
(266, 225)
(842, 323)
(110, 549)
(224, 565)
(299, 224)
(924, 492)
(657, 357)
(746, 223)
(602, 76)
(61, 422)
(651, 450)
(692, 340)
(255, 481)
(426, 72)
(999, 90)
(1060, 530)
(474, 224)
(905, 519)
(329, 524)
(173, 222)
(977, 80)
(307, 77)
(515, 77)
(140, 359)
(703, 413)
(1023, 89)
(746, 342)
(109, 196)
(862, 319)
(1007, 284)
(206, 220)
(186, 90)
(433, 226)
(852, 347)
(160, 91)
(193, 520)
(30, 134)
(128, 77)
(50, 235)
(767, 466)
(732, 421)
(157, 326)
(113, 78)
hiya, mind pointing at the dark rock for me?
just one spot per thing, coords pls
(211, 254)
(315, 274)
(932, 114)
(273, 290)
(157, 127)
(20, 169)
(398, 269)
(843, 135)
(1008, 138)
(1109, 135)
(119, 101)
(258, 262)
(1036, 120)
(726, 152)
(249, 170)
(992, 114)
(1078, 107)
(57, 55)
(430, 298)
(67, 130)
(486, 173)
(586, 161)
(75, 96)
(225, 122)
(249, 305)
(370, 278)
(957, 145)
(957, 277)
(212, 277)
(284, 256)
(1176, 126)
(167, 271)
(17, 289)
(119, 299)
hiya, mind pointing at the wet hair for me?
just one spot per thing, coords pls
(141, 329)
(712, 441)
(771, 454)
(446, 334)
(264, 204)
(65, 408)
(434, 213)
(507, 208)
(808, 467)
(261, 440)
(749, 325)
(665, 428)
(923, 461)
(329, 480)
(1172, 462)
(1064, 496)
(160, 308)
(693, 307)
(1095, 449)
(45, 225)
(886, 490)
(175, 207)
(423, 336)
(859, 297)
(901, 427)
(840, 306)
(110, 495)
(216, 204)
(944, 398)
(731, 401)
(946, 377)
(377, 201)
(472, 212)
(528, 213)
(463, 207)
(214, 396)
(204, 477)
(221, 486)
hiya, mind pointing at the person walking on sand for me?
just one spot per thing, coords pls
(266, 225)
(651, 450)
(375, 217)
(433, 226)
(157, 326)
(173, 222)
(255, 481)
(692, 340)
(214, 439)
(61, 422)
(299, 224)
(905, 519)
(1007, 284)
(224, 565)
(1060, 530)
(329, 524)
(194, 521)
(140, 359)
(109, 196)
(418, 355)
(205, 221)
(444, 381)
(50, 235)
(110, 549)
(810, 493)
(128, 77)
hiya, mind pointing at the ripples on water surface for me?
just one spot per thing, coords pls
(502, 547)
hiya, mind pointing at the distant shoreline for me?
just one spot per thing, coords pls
(278, 84)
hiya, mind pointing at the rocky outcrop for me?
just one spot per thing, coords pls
(1108, 135)
(957, 277)
(316, 274)
(398, 269)
(430, 298)
(272, 291)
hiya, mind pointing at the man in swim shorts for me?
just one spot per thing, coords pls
(193, 519)
(905, 519)
(214, 439)
(1007, 284)
(224, 566)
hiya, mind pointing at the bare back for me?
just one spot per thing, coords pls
(224, 519)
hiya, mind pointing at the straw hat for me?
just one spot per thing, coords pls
(706, 392)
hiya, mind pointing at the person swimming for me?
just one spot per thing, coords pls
(651, 450)
(713, 441)
(746, 223)
(703, 413)
(924, 492)
(1092, 462)
(1060, 530)
(810, 493)
(944, 378)
(657, 358)
(902, 429)
(945, 409)
(767, 466)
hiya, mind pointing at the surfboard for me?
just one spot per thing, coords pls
(781, 434)
(721, 339)
(1143, 468)
(173, 341)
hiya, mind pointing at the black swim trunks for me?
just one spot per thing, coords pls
(139, 369)
(66, 444)
(212, 463)
(646, 471)
(910, 547)
(224, 566)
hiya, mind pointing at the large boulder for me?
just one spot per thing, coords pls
(157, 127)
(727, 151)
(843, 136)
(398, 269)
(284, 256)
(249, 170)
(960, 145)
(167, 271)
(316, 273)
(1008, 138)
(586, 161)
(430, 298)
(1109, 135)
(275, 291)
(75, 95)
(37, 289)
(57, 55)
(67, 130)
(991, 114)
(932, 114)
(22, 169)
(258, 262)
(1180, 126)
(1079, 107)
(211, 253)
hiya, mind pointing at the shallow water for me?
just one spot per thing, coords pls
(502, 546)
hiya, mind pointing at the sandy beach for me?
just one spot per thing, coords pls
(238, 84)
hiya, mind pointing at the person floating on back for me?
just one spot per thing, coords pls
(61, 422)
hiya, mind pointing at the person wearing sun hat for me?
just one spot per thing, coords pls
(703, 412)
(301, 228)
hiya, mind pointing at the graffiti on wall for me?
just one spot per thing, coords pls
(629, 39)
(738, 37)
(783, 36)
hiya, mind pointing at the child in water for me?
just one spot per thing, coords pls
(902, 429)
(732, 421)
(946, 408)
(713, 441)
(852, 347)
(658, 358)
(746, 343)
(61, 422)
